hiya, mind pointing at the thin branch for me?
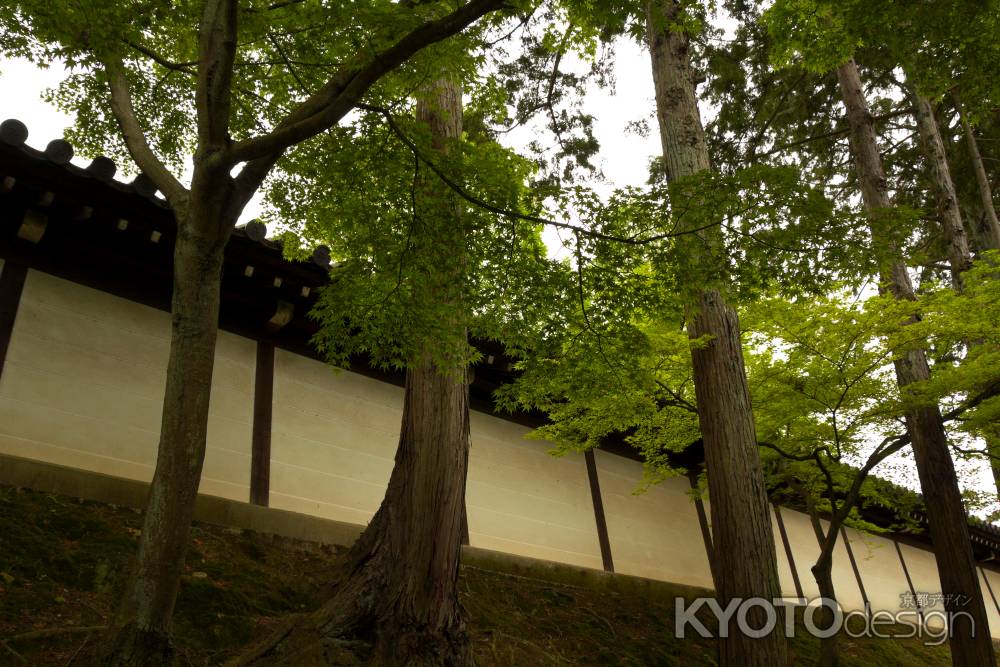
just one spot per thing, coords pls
(832, 133)
(160, 60)
(476, 201)
(990, 391)
(288, 63)
(678, 400)
(976, 452)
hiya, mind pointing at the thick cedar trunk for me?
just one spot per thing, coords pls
(141, 634)
(399, 583)
(745, 558)
(959, 254)
(945, 512)
(986, 226)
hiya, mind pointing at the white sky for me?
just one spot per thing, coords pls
(623, 158)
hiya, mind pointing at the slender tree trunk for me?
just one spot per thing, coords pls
(822, 571)
(399, 582)
(141, 635)
(988, 226)
(829, 646)
(970, 642)
(745, 558)
(959, 254)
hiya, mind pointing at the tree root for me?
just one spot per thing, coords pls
(262, 648)
(55, 632)
(14, 653)
(43, 634)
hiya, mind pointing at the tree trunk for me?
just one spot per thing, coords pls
(959, 255)
(822, 571)
(987, 227)
(399, 582)
(141, 634)
(949, 528)
(829, 646)
(745, 558)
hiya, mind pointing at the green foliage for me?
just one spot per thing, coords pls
(391, 225)
(284, 51)
(940, 44)
(964, 330)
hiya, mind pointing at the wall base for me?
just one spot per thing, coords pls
(53, 478)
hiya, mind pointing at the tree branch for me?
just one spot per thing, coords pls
(161, 60)
(135, 138)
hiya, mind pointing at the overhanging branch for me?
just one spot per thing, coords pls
(344, 89)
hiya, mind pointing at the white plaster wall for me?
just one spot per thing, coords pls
(881, 571)
(991, 600)
(230, 419)
(923, 572)
(805, 551)
(653, 534)
(83, 387)
(784, 567)
(333, 439)
(522, 500)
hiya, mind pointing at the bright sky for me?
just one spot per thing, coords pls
(623, 158)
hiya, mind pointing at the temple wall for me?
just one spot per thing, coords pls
(82, 386)
(654, 534)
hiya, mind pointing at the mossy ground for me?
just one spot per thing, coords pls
(62, 565)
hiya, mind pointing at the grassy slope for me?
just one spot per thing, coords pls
(61, 565)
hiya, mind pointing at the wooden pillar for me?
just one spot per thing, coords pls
(602, 524)
(788, 551)
(909, 581)
(857, 572)
(11, 285)
(263, 395)
(706, 531)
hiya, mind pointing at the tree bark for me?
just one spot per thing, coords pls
(399, 582)
(949, 528)
(987, 227)
(141, 634)
(959, 254)
(745, 558)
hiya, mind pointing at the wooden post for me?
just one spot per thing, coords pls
(260, 461)
(857, 572)
(11, 285)
(788, 551)
(602, 524)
